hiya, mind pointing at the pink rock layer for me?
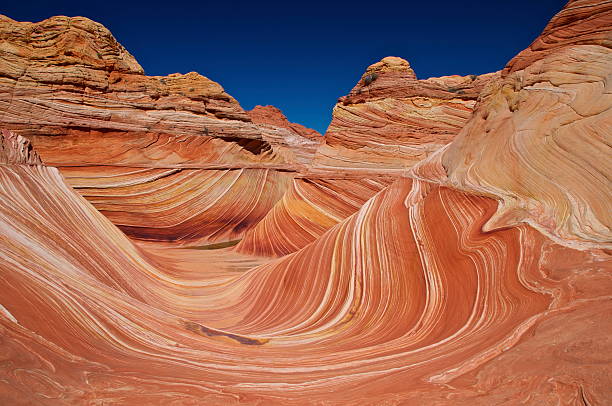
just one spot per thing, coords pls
(14, 149)
(391, 120)
(309, 208)
(182, 206)
(405, 299)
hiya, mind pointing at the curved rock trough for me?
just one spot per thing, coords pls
(446, 242)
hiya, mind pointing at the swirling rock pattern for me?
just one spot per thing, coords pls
(540, 139)
(391, 120)
(184, 206)
(388, 310)
(480, 277)
(309, 208)
(151, 153)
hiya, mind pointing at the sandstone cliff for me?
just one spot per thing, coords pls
(391, 120)
(69, 78)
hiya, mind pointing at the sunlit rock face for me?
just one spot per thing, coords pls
(70, 78)
(151, 153)
(540, 137)
(480, 276)
(296, 143)
(181, 206)
(405, 299)
(309, 208)
(391, 120)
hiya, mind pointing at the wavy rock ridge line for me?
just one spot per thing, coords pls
(184, 206)
(430, 301)
(540, 139)
(309, 208)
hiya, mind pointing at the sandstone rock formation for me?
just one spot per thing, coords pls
(70, 78)
(391, 120)
(152, 153)
(296, 143)
(184, 206)
(407, 289)
(480, 276)
(540, 139)
(309, 208)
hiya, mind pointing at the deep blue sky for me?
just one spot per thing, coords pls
(302, 56)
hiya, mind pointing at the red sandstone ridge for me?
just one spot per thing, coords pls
(294, 142)
(391, 120)
(271, 115)
(70, 78)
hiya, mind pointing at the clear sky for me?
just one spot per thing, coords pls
(302, 56)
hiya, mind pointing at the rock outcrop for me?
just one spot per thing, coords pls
(390, 120)
(181, 206)
(69, 78)
(152, 153)
(294, 142)
(540, 138)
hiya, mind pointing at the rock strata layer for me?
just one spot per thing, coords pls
(540, 138)
(69, 78)
(469, 267)
(391, 120)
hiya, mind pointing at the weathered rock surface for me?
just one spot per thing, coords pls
(540, 138)
(85, 103)
(183, 206)
(70, 78)
(405, 299)
(308, 208)
(391, 120)
(294, 142)
(482, 277)
(14, 149)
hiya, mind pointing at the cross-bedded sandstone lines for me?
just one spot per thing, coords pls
(407, 289)
(308, 208)
(183, 206)
(452, 247)
(540, 139)
(391, 120)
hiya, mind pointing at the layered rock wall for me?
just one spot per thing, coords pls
(391, 120)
